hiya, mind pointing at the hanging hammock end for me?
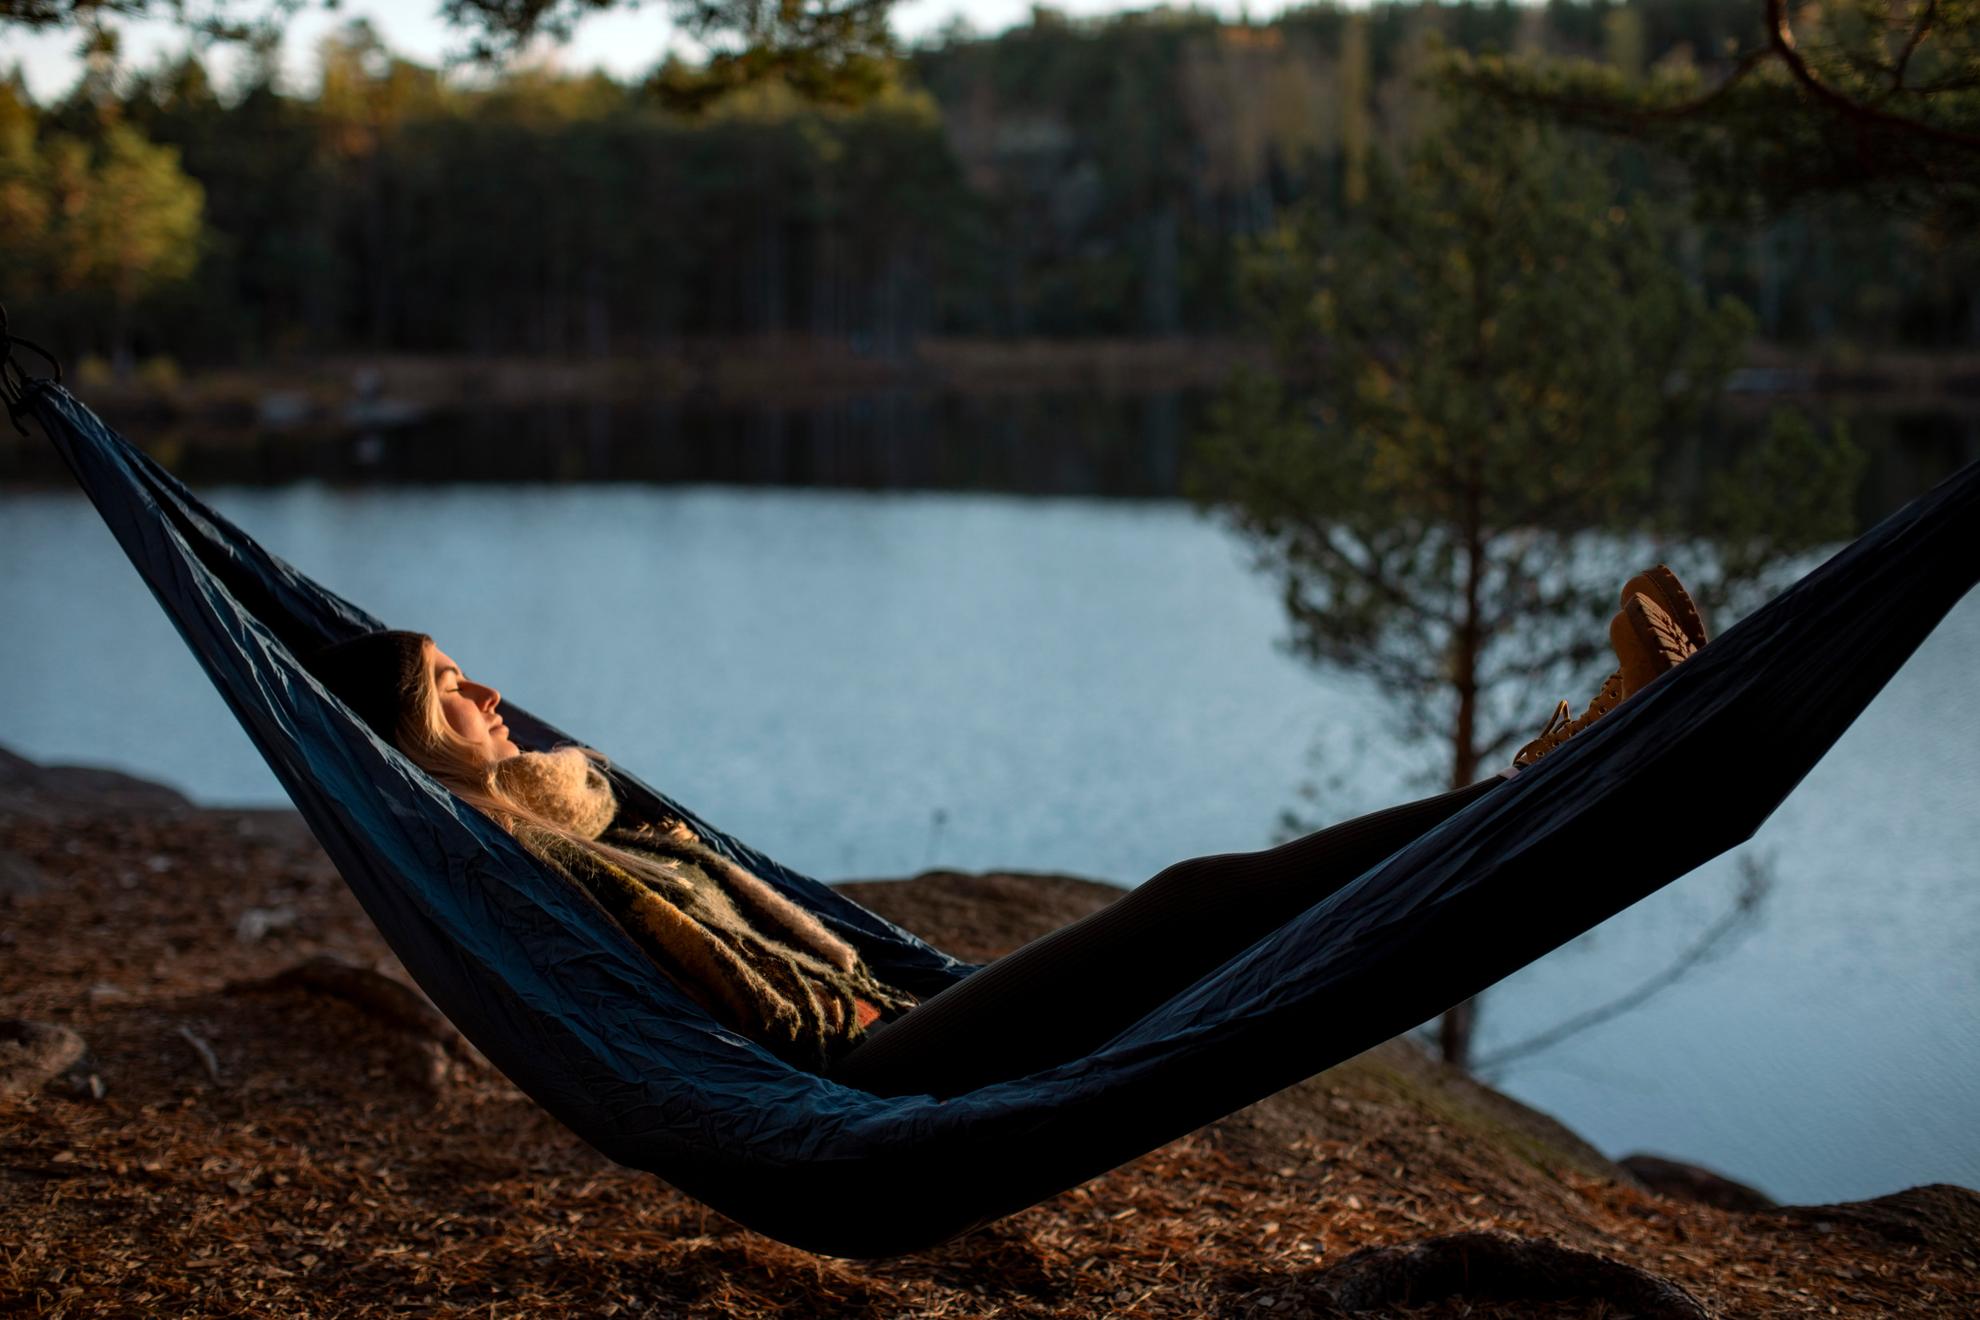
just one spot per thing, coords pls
(17, 387)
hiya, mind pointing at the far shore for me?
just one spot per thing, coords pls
(799, 372)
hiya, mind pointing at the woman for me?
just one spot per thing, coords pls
(766, 968)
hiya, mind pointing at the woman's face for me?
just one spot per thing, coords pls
(472, 710)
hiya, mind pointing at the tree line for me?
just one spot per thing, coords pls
(1061, 179)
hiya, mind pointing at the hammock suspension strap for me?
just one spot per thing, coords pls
(14, 381)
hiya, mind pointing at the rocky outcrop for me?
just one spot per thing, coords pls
(289, 1129)
(1942, 1216)
(45, 792)
(1695, 1182)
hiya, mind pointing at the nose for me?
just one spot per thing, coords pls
(486, 697)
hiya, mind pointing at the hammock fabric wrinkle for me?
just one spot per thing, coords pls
(559, 999)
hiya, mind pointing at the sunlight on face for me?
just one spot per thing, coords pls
(472, 710)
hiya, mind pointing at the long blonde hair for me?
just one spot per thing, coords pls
(426, 738)
(432, 744)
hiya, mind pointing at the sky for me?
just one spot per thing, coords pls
(626, 41)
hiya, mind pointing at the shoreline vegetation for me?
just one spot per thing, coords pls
(798, 371)
(1063, 179)
(242, 1105)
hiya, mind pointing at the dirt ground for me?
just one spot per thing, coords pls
(261, 1150)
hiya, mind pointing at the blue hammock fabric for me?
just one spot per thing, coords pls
(545, 984)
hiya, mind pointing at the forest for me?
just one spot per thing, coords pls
(1061, 180)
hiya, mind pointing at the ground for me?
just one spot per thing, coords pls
(275, 1150)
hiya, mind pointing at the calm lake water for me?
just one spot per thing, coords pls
(870, 684)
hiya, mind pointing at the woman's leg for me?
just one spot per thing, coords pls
(1068, 992)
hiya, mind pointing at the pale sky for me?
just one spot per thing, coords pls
(626, 41)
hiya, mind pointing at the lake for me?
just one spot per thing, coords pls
(869, 684)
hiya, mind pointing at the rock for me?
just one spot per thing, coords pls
(1693, 1182)
(256, 924)
(1942, 1216)
(1501, 1267)
(50, 792)
(33, 1054)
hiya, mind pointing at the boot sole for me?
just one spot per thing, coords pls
(1648, 641)
(1662, 586)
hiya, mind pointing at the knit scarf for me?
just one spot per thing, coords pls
(758, 962)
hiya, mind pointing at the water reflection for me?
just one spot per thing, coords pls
(1027, 443)
(1024, 442)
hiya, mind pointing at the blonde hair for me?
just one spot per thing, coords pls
(426, 738)
(432, 744)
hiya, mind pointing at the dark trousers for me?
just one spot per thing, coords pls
(1071, 991)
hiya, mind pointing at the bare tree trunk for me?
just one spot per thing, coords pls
(1454, 1032)
(597, 309)
(123, 358)
(1464, 739)
(1161, 295)
(766, 296)
(380, 266)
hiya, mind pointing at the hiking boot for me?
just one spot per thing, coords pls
(1562, 727)
(1647, 641)
(1662, 586)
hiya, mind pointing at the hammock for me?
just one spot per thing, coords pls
(560, 1000)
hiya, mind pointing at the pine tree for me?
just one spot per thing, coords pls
(1474, 380)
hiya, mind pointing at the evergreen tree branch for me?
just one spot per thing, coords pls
(1780, 36)
(1918, 31)
(1615, 112)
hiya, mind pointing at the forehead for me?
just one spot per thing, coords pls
(438, 661)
